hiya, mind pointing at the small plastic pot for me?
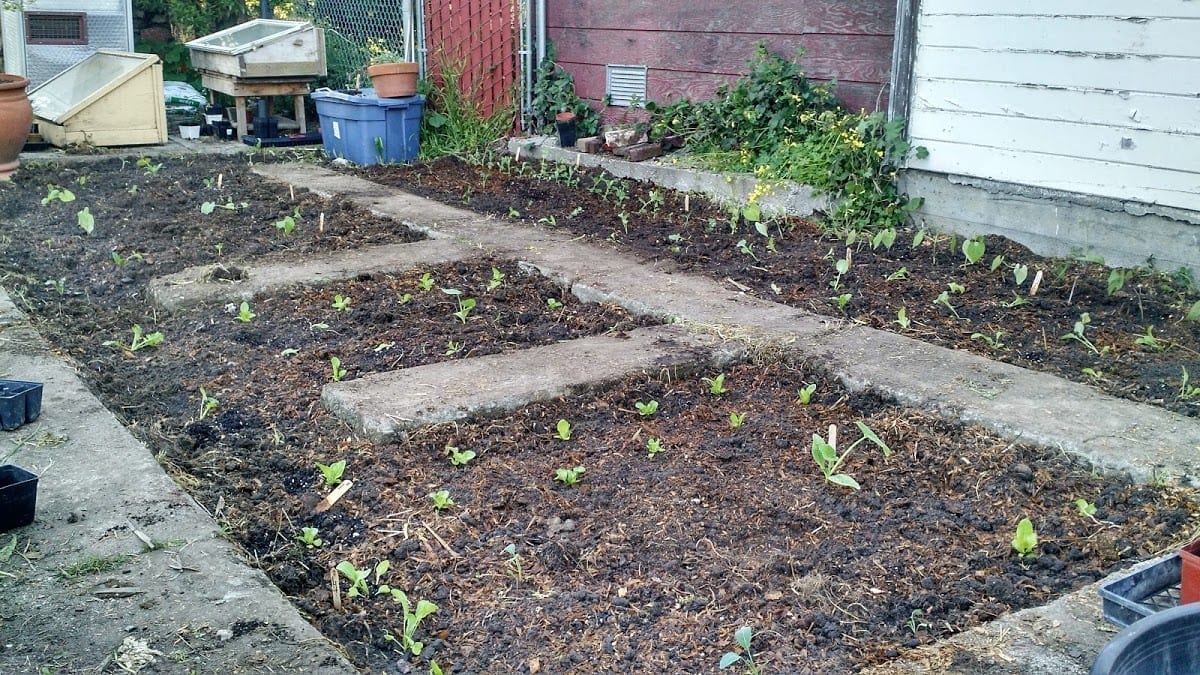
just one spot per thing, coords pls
(1189, 575)
(564, 123)
(20, 403)
(18, 497)
(1166, 643)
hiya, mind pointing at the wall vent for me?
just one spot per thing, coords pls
(624, 83)
(56, 28)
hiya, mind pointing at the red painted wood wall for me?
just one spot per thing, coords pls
(692, 46)
(480, 38)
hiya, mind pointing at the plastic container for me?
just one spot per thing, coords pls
(1189, 583)
(1167, 643)
(18, 497)
(1148, 588)
(20, 403)
(368, 130)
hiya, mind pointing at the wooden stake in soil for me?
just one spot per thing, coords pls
(335, 588)
(1037, 282)
(332, 498)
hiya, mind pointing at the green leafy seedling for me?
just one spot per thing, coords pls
(1149, 341)
(716, 385)
(244, 314)
(646, 409)
(653, 447)
(828, 460)
(804, 394)
(902, 319)
(742, 637)
(973, 250)
(569, 476)
(1085, 508)
(139, 341)
(341, 302)
(308, 537)
(332, 472)
(358, 578)
(1025, 540)
(57, 194)
(207, 403)
(412, 621)
(426, 282)
(736, 420)
(562, 430)
(460, 457)
(497, 279)
(337, 372)
(441, 499)
(87, 222)
(553, 304)
(1077, 335)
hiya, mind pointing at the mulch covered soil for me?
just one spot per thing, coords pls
(650, 561)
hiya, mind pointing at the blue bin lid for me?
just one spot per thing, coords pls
(365, 97)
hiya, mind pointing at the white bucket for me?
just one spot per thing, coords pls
(189, 132)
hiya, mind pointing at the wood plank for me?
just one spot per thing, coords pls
(1072, 174)
(1153, 112)
(771, 17)
(850, 58)
(1094, 35)
(1150, 149)
(1141, 8)
(1164, 75)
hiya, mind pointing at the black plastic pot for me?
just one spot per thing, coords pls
(18, 497)
(20, 402)
(1165, 643)
(566, 133)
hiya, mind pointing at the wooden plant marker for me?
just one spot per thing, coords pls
(332, 498)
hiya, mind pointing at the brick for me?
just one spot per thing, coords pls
(590, 145)
(643, 151)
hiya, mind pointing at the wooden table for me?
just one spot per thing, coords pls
(241, 88)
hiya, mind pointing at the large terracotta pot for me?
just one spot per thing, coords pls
(393, 80)
(16, 119)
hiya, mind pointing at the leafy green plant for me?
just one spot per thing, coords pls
(973, 250)
(646, 409)
(902, 319)
(742, 637)
(1116, 280)
(804, 394)
(308, 537)
(899, 275)
(441, 499)
(562, 430)
(358, 578)
(1187, 392)
(120, 260)
(453, 347)
(993, 342)
(554, 92)
(569, 476)
(332, 473)
(1025, 540)
(843, 300)
(207, 404)
(943, 299)
(459, 457)
(139, 341)
(653, 447)
(87, 222)
(244, 314)
(716, 385)
(341, 302)
(453, 121)
(286, 225)
(465, 305)
(57, 194)
(337, 372)
(148, 166)
(828, 460)
(553, 304)
(426, 282)
(736, 420)
(1085, 508)
(497, 279)
(1077, 335)
(1149, 341)
(412, 620)
(58, 285)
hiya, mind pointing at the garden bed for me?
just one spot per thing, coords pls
(647, 562)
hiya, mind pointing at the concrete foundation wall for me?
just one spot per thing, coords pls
(1056, 223)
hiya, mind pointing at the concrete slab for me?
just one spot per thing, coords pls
(190, 598)
(197, 285)
(384, 406)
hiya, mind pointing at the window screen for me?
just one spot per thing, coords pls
(56, 28)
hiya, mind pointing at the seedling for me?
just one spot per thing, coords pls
(1186, 391)
(996, 263)
(899, 275)
(1025, 540)
(120, 260)
(843, 300)
(563, 430)
(1020, 273)
(337, 372)
(58, 285)
(1077, 335)
(742, 637)
(804, 394)
(404, 298)
(973, 250)
(747, 249)
(384, 346)
(915, 623)
(87, 222)
(308, 537)
(453, 347)
(57, 194)
(1017, 301)
(1092, 373)
(515, 565)
(646, 409)
(1085, 508)
(885, 237)
(993, 343)
(357, 578)
(568, 476)
(842, 267)
(148, 166)
(902, 319)
(412, 620)
(139, 341)
(287, 225)
(332, 472)
(828, 460)
(441, 500)
(736, 420)
(207, 404)
(1116, 280)
(944, 299)
(244, 314)
(1149, 341)
(716, 385)
(341, 302)
(426, 282)
(459, 457)
(653, 447)
(513, 213)
(465, 305)
(553, 304)
(497, 279)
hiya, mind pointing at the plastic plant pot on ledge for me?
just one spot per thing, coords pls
(1165, 643)
(20, 403)
(18, 497)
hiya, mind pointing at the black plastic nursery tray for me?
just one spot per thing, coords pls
(20, 403)
(18, 497)
(1150, 587)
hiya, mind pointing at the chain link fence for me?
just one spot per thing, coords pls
(356, 31)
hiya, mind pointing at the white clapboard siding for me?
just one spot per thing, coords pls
(1133, 110)
(1098, 97)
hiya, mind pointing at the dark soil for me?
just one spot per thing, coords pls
(648, 563)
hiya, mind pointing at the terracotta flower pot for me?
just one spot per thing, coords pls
(1189, 580)
(16, 120)
(394, 80)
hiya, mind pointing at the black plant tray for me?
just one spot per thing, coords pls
(18, 497)
(311, 138)
(1148, 588)
(20, 403)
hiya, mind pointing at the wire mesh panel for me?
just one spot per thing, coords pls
(477, 41)
(355, 31)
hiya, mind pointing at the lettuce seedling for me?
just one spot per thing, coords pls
(459, 458)
(1026, 539)
(441, 500)
(646, 409)
(563, 430)
(244, 314)
(742, 637)
(716, 385)
(332, 472)
(308, 537)
(568, 476)
(653, 447)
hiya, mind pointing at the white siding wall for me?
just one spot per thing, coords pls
(1100, 97)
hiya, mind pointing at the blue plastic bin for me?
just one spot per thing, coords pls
(367, 130)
